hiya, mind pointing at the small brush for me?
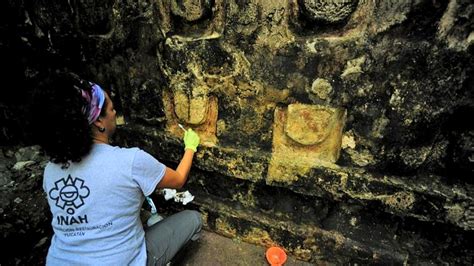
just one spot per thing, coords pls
(181, 126)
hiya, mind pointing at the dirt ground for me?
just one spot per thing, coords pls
(214, 249)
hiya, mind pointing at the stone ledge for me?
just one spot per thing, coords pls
(425, 199)
(304, 241)
(387, 241)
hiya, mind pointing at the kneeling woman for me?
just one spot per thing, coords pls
(95, 190)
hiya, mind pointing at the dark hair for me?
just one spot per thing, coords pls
(60, 127)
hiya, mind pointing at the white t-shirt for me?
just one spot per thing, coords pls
(96, 206)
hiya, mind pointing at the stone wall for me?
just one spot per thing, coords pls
(337, 129)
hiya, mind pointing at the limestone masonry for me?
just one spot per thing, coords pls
(339, 130)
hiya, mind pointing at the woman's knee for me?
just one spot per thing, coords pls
(196, 218)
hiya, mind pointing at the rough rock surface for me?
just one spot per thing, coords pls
(24, 212)
(337, 130)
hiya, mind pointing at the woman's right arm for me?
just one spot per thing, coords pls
(177, 178)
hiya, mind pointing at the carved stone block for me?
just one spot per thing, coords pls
(304, 136)
(198, 113)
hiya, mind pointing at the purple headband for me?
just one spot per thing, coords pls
(95, 101)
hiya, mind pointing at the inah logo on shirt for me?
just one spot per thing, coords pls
(69, 194)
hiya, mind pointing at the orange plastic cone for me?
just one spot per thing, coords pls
(276, 256)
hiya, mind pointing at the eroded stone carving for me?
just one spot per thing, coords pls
(192, 19)
(198, 112)
(327, 11)
(190, 10)
(304, 136)
(307, 125)
(191, 110)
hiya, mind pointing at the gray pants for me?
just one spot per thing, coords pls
(165, 238)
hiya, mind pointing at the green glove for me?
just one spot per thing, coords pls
(191, 140)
